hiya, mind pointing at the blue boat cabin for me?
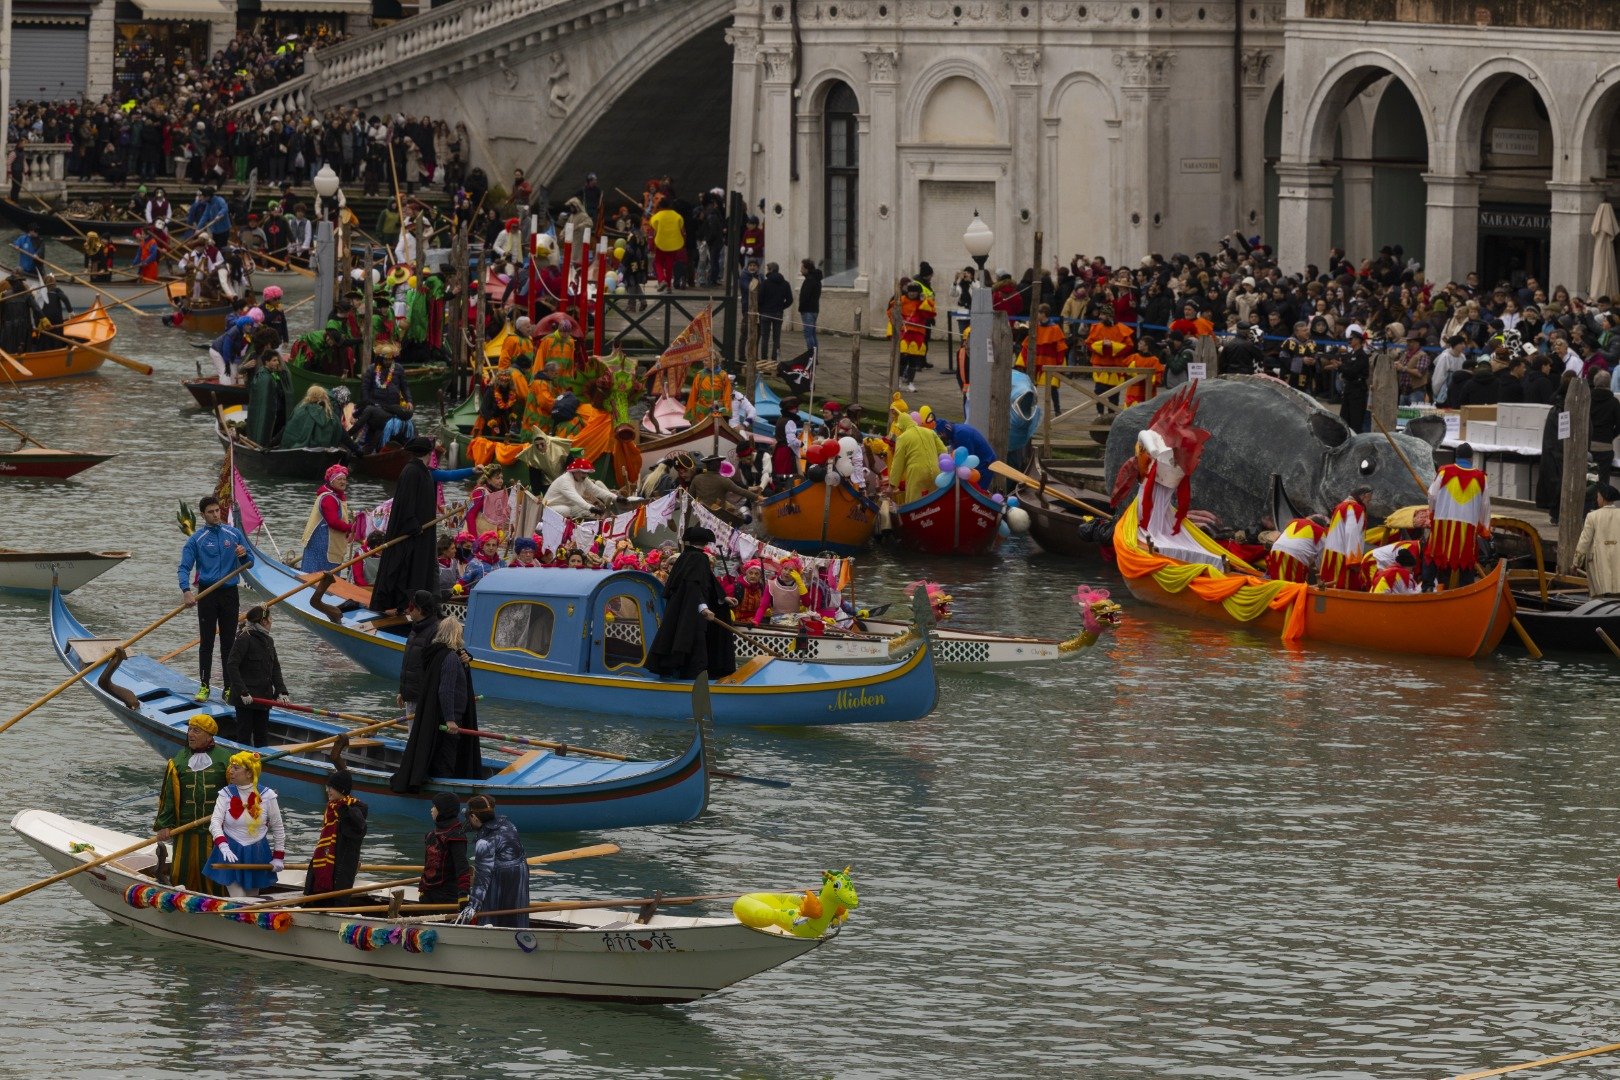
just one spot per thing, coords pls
(584, 622)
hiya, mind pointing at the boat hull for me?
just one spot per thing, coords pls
(958, 651)
(29, 573)
(955, 520)
(812, 517)
(548, 793)
(93, 327)
(1571, 627)
(209, 319)
(776, 693)
(710, 435)
(595, 954)
(1465, 623)
(35, 463)
(425, 383)
(209, 394)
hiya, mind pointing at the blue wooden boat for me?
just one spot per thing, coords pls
(576, 639)
(540, 791)
(768, 406)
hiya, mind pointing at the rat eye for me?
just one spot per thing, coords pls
(1367, 466)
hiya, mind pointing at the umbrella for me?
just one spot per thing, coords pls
(1605, 281)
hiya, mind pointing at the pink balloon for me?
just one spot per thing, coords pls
(963, 471)
(916, 417)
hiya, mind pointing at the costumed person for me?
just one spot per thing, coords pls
(490, 506)
(966, 437)
(917, 314)
(446, 874)
(539, 401)
(1400, 579)
(336, 860)
(785, 594)
(1109, 346)
(1598, 552)
(716, 489)
(422, 613)
(269, 400)
(226, 350)
(485, 559)
(98, 258)
(1050, 346)
(788, 446)
(329, 530)
(525, 554)
(1344, 544)
(146, 258)
(246, 828)
(500, 868)
(1167, 452)
(691, 638)
(1461, 514)
(191, 782)
(500, 408)
(711, 392)
(312, 423)
(274, 315)
(447, 701)
(1294, 553)
(253, 673)
(410, 564)
(578, 495)
(748, 592)
(624, 381)
(915, 462)
(385, 396)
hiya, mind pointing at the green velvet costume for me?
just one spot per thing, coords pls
(185, 796)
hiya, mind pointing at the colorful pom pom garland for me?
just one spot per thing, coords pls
(368, 937)
(161, 899)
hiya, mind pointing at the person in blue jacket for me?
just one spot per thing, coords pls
(970, 438)
(226, 350)
(28, 246)
(211, 214)
(209, 556)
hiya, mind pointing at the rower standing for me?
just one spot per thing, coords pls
(191, 783)
(213, 551)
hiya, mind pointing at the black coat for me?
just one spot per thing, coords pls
(1508, 388)
(411, 672)
(1605, 415)
(412, 563)
(1241, 357)
(428, 746)
(686, 642)
(775, 294)
(1479, 390)
(253, 669)
(351, 830)
(810, 292)
(1539, 387)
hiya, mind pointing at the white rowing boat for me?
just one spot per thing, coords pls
(597, 953)
(29, 573)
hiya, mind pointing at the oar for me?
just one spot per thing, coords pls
(13, 362)
(562, 749)
(376, 868)
(71, 276)
(745, 635)
(400, 883)
(133, 365)
(1596, 1050)
(139, 844)
(1609, 641)
(1001, 468)
(20, 432)
(283, 263)
(566, 905)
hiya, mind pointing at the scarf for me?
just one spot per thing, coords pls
(326, 847)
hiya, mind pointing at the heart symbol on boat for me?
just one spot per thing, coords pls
(645, 943)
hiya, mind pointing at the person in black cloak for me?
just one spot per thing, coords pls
(694, 635)
(412, 563)
(447, 700)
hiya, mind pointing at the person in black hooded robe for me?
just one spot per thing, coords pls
(692, 638)
(412, 563)
(447, 701)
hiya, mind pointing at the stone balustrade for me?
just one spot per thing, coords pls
(1531, 14)
(45, 168)
(292, 96)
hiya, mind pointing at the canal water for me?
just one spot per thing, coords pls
(1186, 852)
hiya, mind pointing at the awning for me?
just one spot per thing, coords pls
(185, 10)
(32, 19)
(331, 7)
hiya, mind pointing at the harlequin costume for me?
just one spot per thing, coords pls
(191, 783)
(1109, 347)
(336, 860)
(1462, 516)
(916, 315)
(710, 394)
(1397, 579)
(1343, 546)
(1294, 553)
(247, 823)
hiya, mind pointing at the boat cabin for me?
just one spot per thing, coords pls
(584, 622)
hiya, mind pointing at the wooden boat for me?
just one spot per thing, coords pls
(93, 327)
(209, 394)
(1558, 611)
(710, 435)
(576, 639)
(41, 462)
(1466, 622)
(604, 951)
(53, 223)
(666, 416)
(424, 381)
(1056, 524)
(767, 407)
(960, 519)
(814, 516)
(540, 791)
(205, 317)
(30, 573)
(310, 462)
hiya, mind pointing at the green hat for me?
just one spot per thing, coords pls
(141, 190)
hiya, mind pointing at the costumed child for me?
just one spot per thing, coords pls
(784, 594)
(524, 549)
(446, 876)
(336, 861)
(489, 508)
(365, 571)
(748, 592)
(246, 828)
(488, 558)
(625, 556)
(450, 567)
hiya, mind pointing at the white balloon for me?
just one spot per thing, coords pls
(834, 477)
(846, 467)
(849, 444)
(1018, 520)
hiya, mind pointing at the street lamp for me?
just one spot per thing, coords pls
(978, 239)
(328, 254)
(326, 185)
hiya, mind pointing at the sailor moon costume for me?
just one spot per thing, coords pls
(246, 828)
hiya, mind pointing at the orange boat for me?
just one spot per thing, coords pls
(93, 327)
(1466, 622)
(199, 318)
(813, 517)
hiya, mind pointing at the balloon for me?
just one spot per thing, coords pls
(620, 291)
(618, 253)
(916, 417)
(998, 498)
(1012, 502)
(963, 471)
(727, 469)
(973, 475)
(834, 478)
(610, 280)
(846, 467)
(972, 461)
(1018, 520)
(850, 444)
(1001, 528)
(946, 462)
(961, 455)
(943, 480)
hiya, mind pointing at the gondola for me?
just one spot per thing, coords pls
(958, 519)
(813, 516)
(52, 223)
(1558, 611)
(32, 573)
(310, 462)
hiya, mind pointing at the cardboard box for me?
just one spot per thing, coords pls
(1477, 412)
(1515, 482)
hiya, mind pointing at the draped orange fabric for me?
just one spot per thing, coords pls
(484, 451)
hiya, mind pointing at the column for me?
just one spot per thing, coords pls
(1573, 205)
(880, 179)
(1144, 90)
(744, 42)
(1451, 227)
(1357, 182)
(1304, 214)
(776, 134)
(1026, 141)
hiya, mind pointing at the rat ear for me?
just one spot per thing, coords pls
(1431, 429)
(1329, 429)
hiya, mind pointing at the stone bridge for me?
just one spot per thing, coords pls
(555, 87)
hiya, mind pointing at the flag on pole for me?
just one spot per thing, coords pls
(249, 520)
(691, 346)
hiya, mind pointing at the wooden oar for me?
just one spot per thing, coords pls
(20, 432)
(562, 749)
(71, 276)
(378, 868)
(21, 369)
(400, 883)
(153, 839)
(1001, 468)
(1596, 1050)
(133, 365)
(283, 263)
(745, 635)
(1609, 641)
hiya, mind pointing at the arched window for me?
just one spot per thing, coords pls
(842, 180)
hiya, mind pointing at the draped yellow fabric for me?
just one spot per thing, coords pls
(1243, 597)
